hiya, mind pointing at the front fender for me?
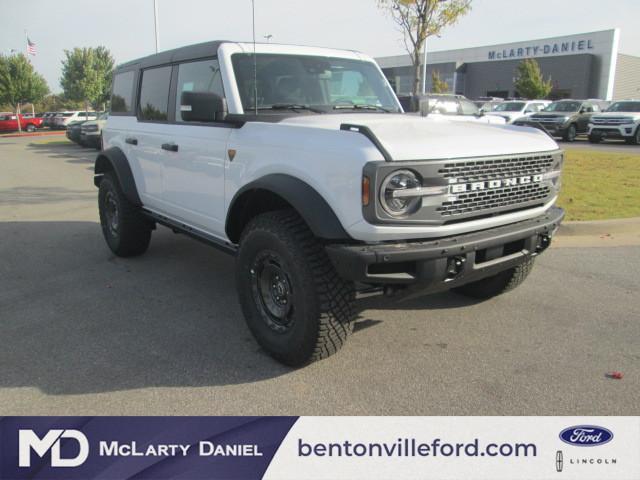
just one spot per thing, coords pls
(114, 159)
(309, 204)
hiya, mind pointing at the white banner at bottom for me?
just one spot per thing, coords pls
(464, 448)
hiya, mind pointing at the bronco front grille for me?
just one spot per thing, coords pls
(477, 202)
(495, 169)
(471, 202)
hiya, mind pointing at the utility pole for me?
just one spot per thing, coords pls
(155, 23)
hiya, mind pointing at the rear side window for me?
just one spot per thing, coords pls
(199, 77)
(154, 94)
(122, 92)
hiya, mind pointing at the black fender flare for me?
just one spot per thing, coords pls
(114, 159)
(309, 204)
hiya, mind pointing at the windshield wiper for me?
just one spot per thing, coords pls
(361, 107)
(291, 106)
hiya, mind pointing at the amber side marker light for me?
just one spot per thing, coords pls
(365, 191)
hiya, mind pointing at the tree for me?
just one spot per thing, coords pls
(421, 19)
(56, 103)
(86, 75)
(437, 84)
(19, 82)
(529, 81)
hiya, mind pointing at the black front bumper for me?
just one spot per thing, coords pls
(609, 133)
(443, 263)
(550, 128)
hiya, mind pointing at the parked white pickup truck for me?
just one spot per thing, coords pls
(300, 162)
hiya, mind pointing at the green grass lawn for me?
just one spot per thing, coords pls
(597, 185)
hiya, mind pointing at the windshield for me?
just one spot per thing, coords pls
(624, 107)
(509, 107)
(310, 81)
(563, 107)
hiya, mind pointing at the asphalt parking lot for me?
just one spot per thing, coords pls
(86, 333)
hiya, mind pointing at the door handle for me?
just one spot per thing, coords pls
(131, 141)
(171, 147)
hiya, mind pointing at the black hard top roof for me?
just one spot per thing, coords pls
(199, 50)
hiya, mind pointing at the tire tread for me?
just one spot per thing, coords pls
(336, 296)
(135, 229)
(498, 284)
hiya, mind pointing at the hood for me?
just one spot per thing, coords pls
(409, 137)
(553, 114)
(616, 115)
(470, 118)
(510, 115)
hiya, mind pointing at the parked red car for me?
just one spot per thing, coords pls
(9, 123)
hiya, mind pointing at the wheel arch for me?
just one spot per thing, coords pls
(278, 191)
(114, 159)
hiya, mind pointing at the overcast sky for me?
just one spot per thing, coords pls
(126, 26)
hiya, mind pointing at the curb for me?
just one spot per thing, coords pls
(34, 134)
(599, 233)
(600, 227)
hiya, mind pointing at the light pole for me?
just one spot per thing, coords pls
(424, 60)
(155, 24)
(424, 68)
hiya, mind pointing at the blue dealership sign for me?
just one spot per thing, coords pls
(139, 447)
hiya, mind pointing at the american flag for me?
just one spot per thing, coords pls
(31, 47)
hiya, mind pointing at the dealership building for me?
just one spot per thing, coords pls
(586, 65)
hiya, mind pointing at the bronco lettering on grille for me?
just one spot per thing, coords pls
(490, 184)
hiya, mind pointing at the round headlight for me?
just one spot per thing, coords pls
(397, 193)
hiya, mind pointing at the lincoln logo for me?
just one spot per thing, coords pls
(559, 461)
(491, 184)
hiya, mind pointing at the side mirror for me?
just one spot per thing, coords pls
(202, 107)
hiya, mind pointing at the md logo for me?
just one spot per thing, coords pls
(28, 440)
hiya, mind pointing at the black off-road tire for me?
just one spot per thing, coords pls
(571, 133)
(129, 233)
(498, 284)
(320, 316)
(635, 140)
(595, 138)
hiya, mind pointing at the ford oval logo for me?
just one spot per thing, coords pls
(586, 436)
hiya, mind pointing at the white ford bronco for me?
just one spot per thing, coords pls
(301, 163)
